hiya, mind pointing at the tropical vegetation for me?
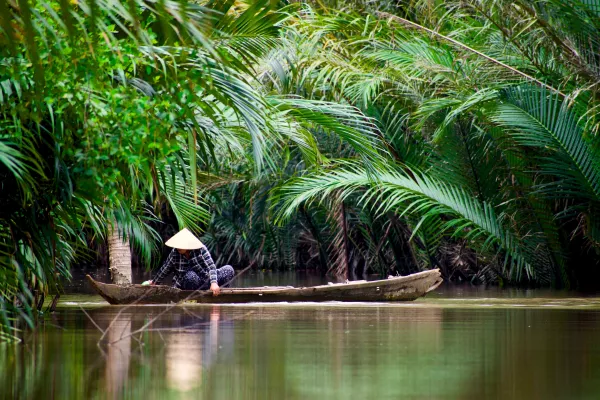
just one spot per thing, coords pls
(352, 138)
(486, 117)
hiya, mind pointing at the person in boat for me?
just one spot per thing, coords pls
(192, 265)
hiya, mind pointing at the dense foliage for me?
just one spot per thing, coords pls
(352, 138)
(113, 113)
(487, 112)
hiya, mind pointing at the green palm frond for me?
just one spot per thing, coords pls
(13, 88)
(190, 212)
(544, 122)
(249, 34)
(13, 160)
(92, 19)
(417, 58)
(134, 225)
(452, 107)
(347, 122)
(573, 28)
(530, 211)
(417, 194)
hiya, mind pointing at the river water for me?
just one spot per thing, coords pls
(457, 343)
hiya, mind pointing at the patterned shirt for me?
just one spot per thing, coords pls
(200, 262)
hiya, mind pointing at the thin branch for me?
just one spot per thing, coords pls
(119, 314)
(464, 46)
(510, 37)
(91, 319)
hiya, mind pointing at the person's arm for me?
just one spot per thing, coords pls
(203, 258)
(208, 261)
(165, 269)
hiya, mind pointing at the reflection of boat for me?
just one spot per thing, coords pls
(402, 288)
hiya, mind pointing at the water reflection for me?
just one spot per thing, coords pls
(118, 354)
(188, 351)
(184, 362)
(321, 352)
(190, 344)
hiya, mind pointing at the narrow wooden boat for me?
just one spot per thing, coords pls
(402, 288)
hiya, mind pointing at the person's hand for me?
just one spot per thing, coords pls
(214, 287)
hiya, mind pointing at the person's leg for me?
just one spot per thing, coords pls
(205, 285)
(225, 274)
(191, 281)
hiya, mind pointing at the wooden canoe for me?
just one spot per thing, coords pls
(402, 288)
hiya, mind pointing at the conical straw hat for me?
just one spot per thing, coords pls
(184, 240)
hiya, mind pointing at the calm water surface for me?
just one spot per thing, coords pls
(456, 344)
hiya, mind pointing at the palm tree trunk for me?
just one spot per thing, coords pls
(340, 244)
(119, 257)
